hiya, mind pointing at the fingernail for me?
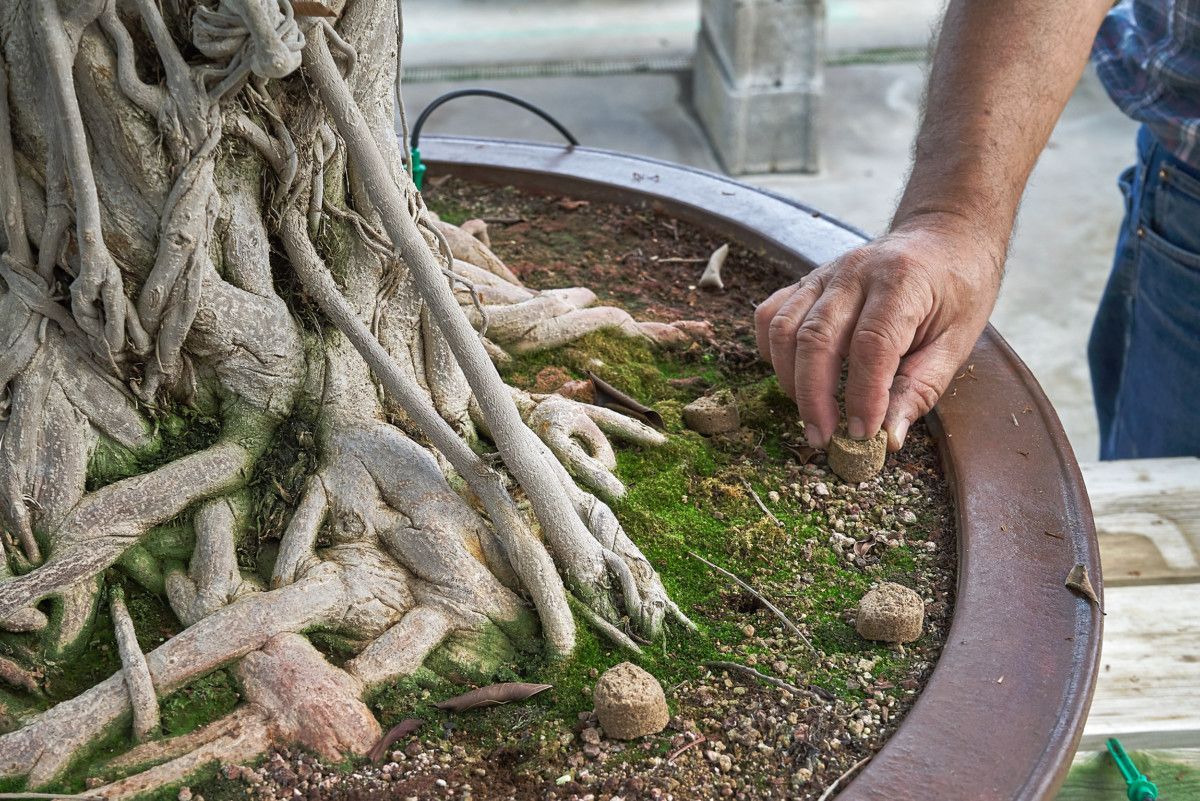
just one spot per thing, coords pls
(813, 434)
(897, 433)
(856, 428)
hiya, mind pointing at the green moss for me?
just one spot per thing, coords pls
(686, 496)
(277, 483)
(631, 365)
(177, 434)
(448, 208)
(204, 700)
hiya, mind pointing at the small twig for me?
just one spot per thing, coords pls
(831, 789)
(671, 757)
(761, 505)
(821, 692)
(677, 260)
(775, 610)
(17, 796)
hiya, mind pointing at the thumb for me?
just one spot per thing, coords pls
(920, 380)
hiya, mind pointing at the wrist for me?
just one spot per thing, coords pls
(965, 238)
(958, 193)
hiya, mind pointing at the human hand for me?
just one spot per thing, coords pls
(904, 310)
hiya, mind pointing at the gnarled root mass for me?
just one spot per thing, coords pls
(193, 261)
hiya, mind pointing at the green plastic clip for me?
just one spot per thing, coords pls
(418, 169)
(1137, 786)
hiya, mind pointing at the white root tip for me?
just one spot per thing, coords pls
(711, 278)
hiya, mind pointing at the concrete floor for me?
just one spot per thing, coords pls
(1066, 230)
(487, 32)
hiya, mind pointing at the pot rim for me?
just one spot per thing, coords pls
(1001, 715)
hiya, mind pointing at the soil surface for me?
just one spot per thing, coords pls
(756, 502)
(646, 263)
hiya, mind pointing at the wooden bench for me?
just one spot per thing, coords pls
(1148, 520)
(1148, 693)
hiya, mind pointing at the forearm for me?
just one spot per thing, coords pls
(1002, 72)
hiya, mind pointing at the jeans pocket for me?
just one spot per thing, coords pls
(1173, 257)
(1175, 209)
(1155, 414)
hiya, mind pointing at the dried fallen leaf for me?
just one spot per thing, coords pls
(571, 205)
(863, 547)
(311, 8)
(397, 732)
(1078, 581)
(493, 695)
(803, 453)
(610, 397)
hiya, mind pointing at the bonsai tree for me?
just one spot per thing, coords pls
(211, 246)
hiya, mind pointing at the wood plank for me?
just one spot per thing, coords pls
(1148, 519)
(1094, 776)
(1148, 692)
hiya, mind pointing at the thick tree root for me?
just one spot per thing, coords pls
(107, 522)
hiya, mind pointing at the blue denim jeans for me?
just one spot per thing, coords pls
(1144, 351)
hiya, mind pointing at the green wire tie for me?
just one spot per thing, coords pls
(1137, 786)
(418, 168)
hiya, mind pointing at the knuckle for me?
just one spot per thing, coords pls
(763, 315)
(872, 339)
(781, 329)
(815, 333)
(905, 262)
(855, 260)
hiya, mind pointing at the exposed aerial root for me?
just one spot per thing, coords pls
(292, 695)
(137, 673)
(97, 294)
(469, 248)
(403, 648)
(14, 675)
(238, 737)
(534, 468)
(577, 434)
(213, 579)
(526, 555)
(307, 700)
(42, 749)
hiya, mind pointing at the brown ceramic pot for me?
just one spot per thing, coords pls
(1002, 714)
